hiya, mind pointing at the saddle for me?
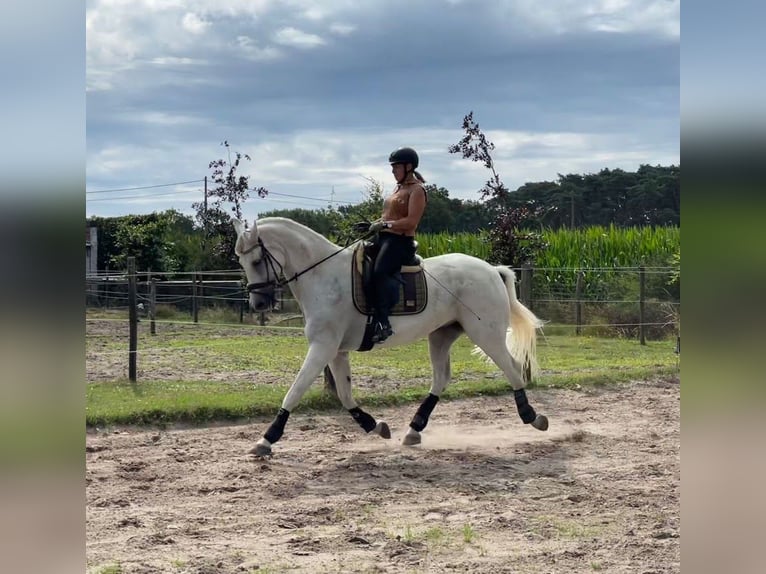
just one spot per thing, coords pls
(413, 293)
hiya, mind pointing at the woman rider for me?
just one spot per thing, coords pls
(402, 212)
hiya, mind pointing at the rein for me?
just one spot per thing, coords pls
(271, 260)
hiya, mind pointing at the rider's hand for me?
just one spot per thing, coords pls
(361, 227)
(378, 225)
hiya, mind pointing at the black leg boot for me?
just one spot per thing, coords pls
(382, 328)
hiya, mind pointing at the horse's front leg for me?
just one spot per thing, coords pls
(317, 357)
(341, 372)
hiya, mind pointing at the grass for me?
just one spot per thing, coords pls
(434, 535)
(555, 527)
(566, 361)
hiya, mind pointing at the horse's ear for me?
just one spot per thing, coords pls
(239, 226)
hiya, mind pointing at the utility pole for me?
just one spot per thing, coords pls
(332, 196)
(204, 211)
(204, 218)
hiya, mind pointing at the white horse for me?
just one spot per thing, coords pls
(465, 295)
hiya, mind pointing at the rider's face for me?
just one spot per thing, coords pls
(398, 169)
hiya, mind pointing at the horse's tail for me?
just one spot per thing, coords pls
(521, 338)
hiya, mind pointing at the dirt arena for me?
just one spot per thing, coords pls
(484, 493)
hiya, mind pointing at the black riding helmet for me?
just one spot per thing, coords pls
(404, 155)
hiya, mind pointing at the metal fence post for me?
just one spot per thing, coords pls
(641, 304)
(195, 305)
(578, 303)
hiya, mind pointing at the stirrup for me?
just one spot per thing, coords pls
(382, 332)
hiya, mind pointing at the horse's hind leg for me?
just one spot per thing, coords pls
(439, 344)
(341, 372)
(494, 346)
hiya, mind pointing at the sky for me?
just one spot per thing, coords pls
(319, 93)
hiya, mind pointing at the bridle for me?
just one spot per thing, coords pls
(271, 268)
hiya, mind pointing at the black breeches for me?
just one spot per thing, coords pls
(394, 251)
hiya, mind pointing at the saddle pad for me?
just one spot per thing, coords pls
(413, 294)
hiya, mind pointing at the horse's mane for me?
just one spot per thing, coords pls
(294, 227)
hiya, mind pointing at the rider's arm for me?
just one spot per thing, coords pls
(416, 207)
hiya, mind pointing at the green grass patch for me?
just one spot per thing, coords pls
(565, 361)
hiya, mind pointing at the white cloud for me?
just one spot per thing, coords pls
(249, 49)
(116, 159)
(174, 61)
(314, 13)
(194, 24)
(293, 37)
(163, 119)
(658, 17)
(150, 53)
(342, 29)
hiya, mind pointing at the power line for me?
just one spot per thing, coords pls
(142, 196)
(145, 186)
(326, 200)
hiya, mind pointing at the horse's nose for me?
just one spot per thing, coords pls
(259, 303)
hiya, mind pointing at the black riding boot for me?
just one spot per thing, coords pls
(382, 328)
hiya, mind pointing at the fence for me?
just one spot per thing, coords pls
(629, 302)
(158, 296)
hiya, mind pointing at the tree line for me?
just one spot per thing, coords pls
(513, 220)
(171, 241)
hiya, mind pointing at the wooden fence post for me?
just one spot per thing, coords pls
(106, 288)
(525, 288)
(641, 304)
(152, 306)
(200, 293)
(132, 319)
(578, 303)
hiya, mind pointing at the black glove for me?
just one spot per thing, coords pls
(361, 227)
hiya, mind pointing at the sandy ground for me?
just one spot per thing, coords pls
(484, 493)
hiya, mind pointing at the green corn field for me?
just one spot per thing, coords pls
(604, 256)
(592, 247)
(476, 244)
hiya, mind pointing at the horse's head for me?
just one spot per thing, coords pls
(261, 269)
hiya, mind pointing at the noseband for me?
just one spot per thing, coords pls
(271, 268)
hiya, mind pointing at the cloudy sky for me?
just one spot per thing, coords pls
(318, 93)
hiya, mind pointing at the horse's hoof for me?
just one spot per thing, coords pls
(382, 429)
(540, 422)
(261, 450)
(411, 438)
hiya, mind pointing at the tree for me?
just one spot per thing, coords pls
(369, 209)
(213, 216)
(511, 245)
(649, 196)
(159, 241)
